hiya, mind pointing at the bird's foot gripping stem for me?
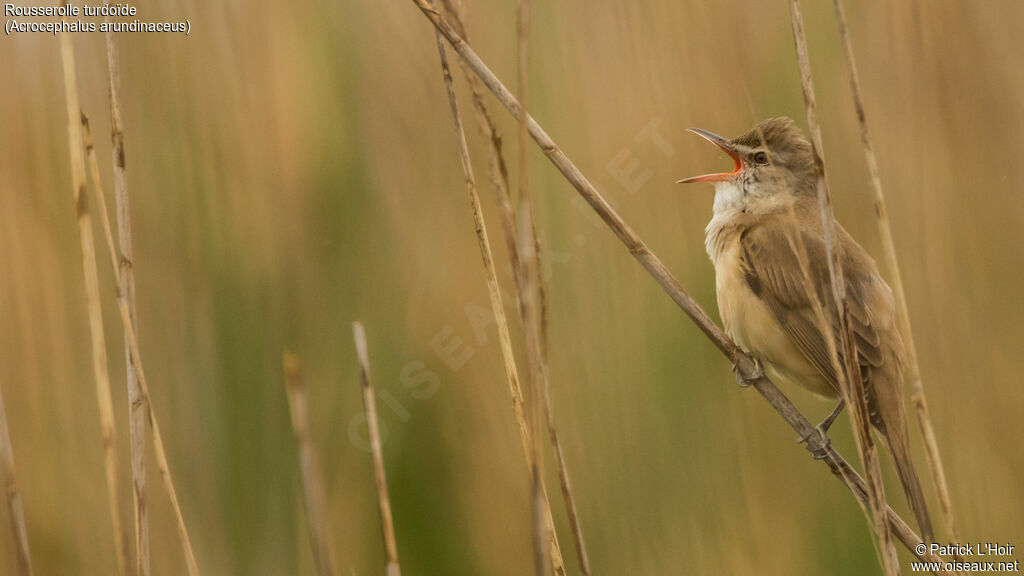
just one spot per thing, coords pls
(818, 441)
(745, 381)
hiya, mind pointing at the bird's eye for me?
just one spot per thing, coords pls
(760, 158)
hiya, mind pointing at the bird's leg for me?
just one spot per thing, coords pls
(827, 422)
(746, 381)
(822, 429)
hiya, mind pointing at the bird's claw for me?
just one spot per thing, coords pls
(817, 446)
(746, 381)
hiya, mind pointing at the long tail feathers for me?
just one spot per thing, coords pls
(900, 450)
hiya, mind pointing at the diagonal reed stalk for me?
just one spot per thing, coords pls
(312, 479)
(136, 410)
(498, 309)
(745, 366)
(101, 374)
(851, 384)
(892, 263)
(499, 181)
(136, 357)
(14, 507)
(370, 405)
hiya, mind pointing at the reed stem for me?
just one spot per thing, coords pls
(498, 310)
(499, 181)
(528, 282)
(136, 357)
(125, 269)
(851, 384)
(312, 479)
(101, 374)
(370, 404)
(917, 395)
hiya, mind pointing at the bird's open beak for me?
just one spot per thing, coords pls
(724, 145)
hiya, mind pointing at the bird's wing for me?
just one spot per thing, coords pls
(772, 269)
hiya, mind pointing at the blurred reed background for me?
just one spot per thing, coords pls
(292, 169)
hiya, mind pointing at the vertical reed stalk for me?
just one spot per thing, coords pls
(101, 374)
(136, 410)
(892, 263)
(158, 444)
(14, 507)
(496, 167)
(497, 304)
(136, 357)
(312, 479)
(499, 180)
(94, 171)
(851, 386)
(370, 404)
(528, 280)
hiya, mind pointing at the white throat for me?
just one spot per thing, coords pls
(735, 208)
(730, 206)
(729, 198)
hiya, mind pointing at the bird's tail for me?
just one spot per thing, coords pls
(897, 439)
(890, 417)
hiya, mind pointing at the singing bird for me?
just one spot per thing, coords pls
(767, 244)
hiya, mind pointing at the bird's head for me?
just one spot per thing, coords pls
(772, 165)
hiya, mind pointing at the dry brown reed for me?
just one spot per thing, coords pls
(136, 410)
(496, 168)
(136, 357)
(498, 307)
(892, 263)
(499, 181)
(370, 404)
(528, 283)
(312, 478)
(101, 374)
(14, 506)
(744, 365)
(851, 385)
(797, 245)
(94, 171)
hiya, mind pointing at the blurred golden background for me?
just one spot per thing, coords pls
(292, 168)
